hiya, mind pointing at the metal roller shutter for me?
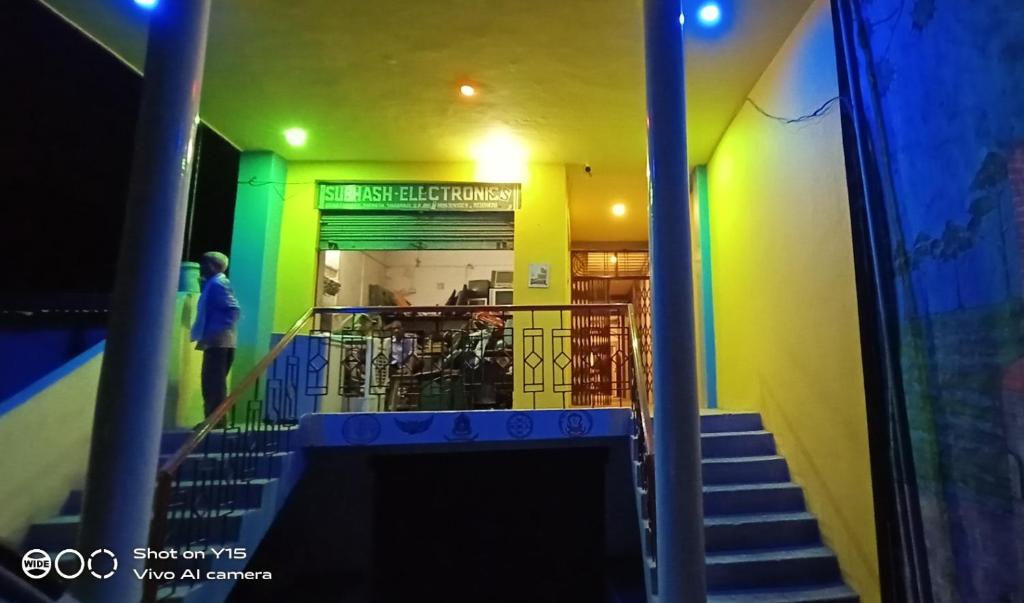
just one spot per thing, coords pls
(352, 230)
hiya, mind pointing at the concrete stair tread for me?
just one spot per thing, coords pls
(742, 459)
(780, 554)
(734, 434)
(74, 519)
(755, 518)
(805, 594)
(742, 487)
(213, 456)
(172, 594)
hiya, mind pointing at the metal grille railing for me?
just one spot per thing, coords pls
(387, 359)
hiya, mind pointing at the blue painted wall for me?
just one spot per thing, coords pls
(26, 354)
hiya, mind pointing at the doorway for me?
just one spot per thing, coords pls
(599, 341)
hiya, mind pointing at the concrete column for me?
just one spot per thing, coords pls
(255, 243)
(129, 406)
(680, 513)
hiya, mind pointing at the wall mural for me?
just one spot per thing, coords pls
(948, 81)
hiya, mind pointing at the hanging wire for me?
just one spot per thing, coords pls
(820, 112)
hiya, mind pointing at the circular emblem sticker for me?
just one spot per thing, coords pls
(519, 425)
(575, 424)
(361, 429)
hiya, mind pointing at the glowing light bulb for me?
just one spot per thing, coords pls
(467, 90)
(709, 14)
(500, 157)
(619, 210)
(296, 137)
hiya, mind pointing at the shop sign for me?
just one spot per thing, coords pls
(416, 196)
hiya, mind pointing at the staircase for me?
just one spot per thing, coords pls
(762, 545)
(238, 494)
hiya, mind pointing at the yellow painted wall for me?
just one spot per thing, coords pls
(184, 405)
(541, 234)
(784, 295)
(46, 449)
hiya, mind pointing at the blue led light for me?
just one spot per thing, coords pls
(709, 14)
(147, 4)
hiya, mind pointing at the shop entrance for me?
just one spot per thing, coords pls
(384, 259)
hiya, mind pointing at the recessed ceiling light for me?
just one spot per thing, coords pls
(709, 14)
(296, 137)
(147, 4)
(467, 90)
(619, 210)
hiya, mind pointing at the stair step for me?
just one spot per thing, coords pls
(59, 532)
(233, 495)
(212, 465)
(732, 421)
(797, 566)
(835, 593)
(756, 531)
(745, 470)
(744, 499)
(176, 593)
(280, 438)
(737, 444)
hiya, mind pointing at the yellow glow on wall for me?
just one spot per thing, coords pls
(785, 302)
(500, 157)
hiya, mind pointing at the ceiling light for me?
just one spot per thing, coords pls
(147, 4)
(467, 90)
(296, 137)
(619, 210)
(709, 14)
(500, 157)
(682, 19)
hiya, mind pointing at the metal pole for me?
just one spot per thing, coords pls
(133, 382)
(677, 475)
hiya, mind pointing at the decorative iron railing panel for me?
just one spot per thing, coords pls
(382, 360)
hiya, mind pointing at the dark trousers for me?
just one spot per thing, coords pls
(216, 364)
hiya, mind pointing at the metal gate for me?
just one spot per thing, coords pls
(600, 342)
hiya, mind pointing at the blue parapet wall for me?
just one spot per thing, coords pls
(486, 426)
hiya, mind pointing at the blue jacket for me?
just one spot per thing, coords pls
(216, 315)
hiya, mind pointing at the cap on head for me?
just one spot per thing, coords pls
(216, 260)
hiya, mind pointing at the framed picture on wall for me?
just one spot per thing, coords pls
(540, 276)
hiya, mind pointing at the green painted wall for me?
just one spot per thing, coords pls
(255, 245)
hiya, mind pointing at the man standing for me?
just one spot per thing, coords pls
(214, 328)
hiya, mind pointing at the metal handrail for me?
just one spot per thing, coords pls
(165, 474)
(646, 434)
(221, 411)
(465, 309)
(644, 410)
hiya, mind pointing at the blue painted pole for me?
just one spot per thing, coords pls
(680, 512)
(133, 381)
